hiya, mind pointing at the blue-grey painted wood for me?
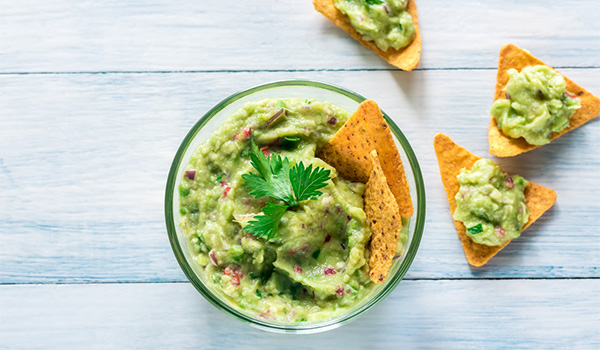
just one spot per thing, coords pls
(484, 314)
(84, 159)
(68, 35)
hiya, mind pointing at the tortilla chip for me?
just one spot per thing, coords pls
(514, 57)
(348, 152)
(451, 159)
(406, 58)
(384, 220)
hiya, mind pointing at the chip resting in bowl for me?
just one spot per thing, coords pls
(451, 159)
(384, 220)
(364, 150)
(350, 148)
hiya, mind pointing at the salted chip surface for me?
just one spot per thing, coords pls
(451, 159)
(406, 58)
(348, 152)
(384, 220)
(513, 57)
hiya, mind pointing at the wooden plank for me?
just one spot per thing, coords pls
(68, 35)
(418, 314)
(85, 158)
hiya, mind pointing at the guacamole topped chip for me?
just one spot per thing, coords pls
(491, 203)
(512, 57)
(536, 104)
(385, 22)
(406, 58)
(452, 158)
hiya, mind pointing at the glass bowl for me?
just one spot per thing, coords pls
(288, 89)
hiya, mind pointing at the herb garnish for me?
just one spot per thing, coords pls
(277, 179)
(475, 229)
(374, 2)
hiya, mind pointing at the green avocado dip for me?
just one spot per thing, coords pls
(315, 267)
(536, 105)
(386, 22)
(491, 203)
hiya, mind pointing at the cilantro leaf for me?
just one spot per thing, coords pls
(267, 224)
(274, 179)
(374, 2)
(475, 229)
(277, 179)
(306, 182)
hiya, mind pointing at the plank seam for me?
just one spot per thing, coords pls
(267, 70)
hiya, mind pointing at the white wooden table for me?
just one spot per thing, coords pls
(96, 96)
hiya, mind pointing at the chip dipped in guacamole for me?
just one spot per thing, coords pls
(274, 229)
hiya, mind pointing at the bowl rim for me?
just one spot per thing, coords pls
(287, 328)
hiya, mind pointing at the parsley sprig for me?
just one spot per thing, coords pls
(278, 179)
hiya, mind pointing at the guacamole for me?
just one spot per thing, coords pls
(386, 22)
(536, 105)
(316, 266)
(491, 203)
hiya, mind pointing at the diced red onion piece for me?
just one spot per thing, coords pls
(275, 116)
(332, 121)
(327, 238)
(329, 271)
(213, 257)
(266, 315)
(274, 142)
(225, 191)
(509, 181)
(340, 290)
(190, 174)
(243, 217)
(500, 231)
(243, 135)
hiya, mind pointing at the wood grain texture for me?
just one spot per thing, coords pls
(541, 314)
(69, 35)
(84, 160)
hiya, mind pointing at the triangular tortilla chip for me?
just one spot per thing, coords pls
(406, 58)
(384, 220)
(451, 159)
(514, 57)
(348, 152)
